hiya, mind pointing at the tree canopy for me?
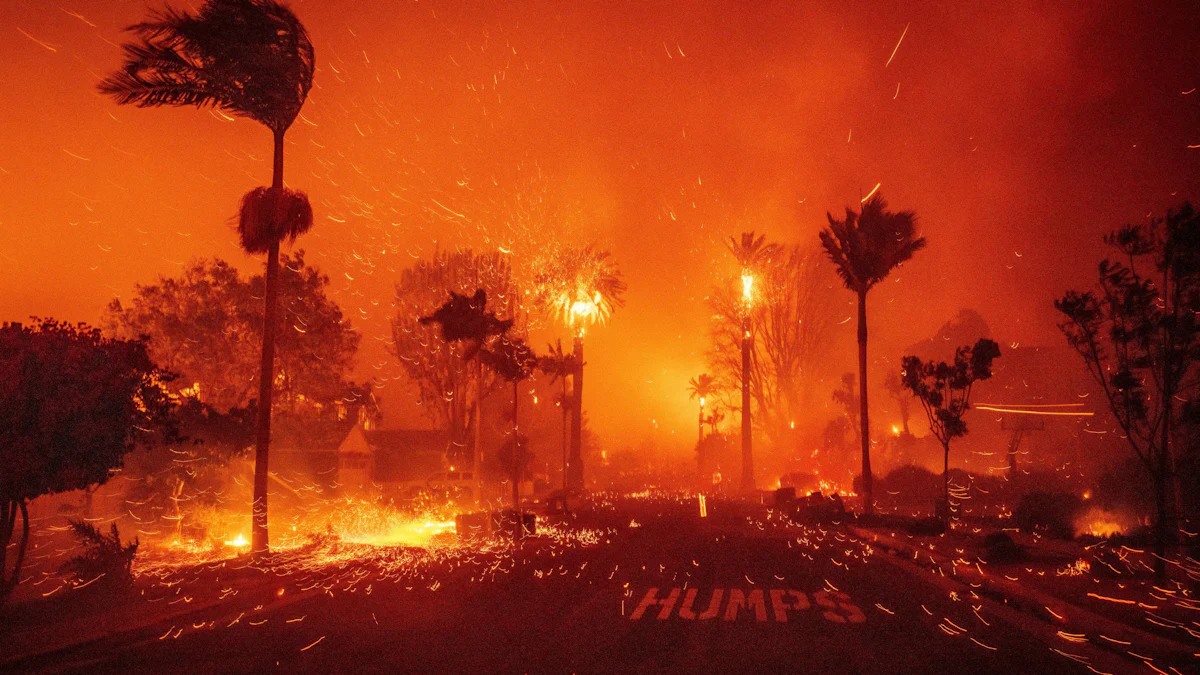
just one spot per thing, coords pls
(1139, 335)
(206, 324)
(72, 404)
(865, 246)
(436, 366)
(251, 58)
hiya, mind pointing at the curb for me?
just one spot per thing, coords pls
(1036, 603)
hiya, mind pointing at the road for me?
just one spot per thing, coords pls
(791, 600)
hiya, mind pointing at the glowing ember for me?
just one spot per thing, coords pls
(238, 541)
(411, 533)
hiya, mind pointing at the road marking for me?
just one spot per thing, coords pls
(834, 606)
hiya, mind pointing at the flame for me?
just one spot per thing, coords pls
(747, 287)
(1100, 523)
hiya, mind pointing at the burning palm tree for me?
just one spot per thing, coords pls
(865, 247)
(253, 59)
(580, 287)
(752, 255)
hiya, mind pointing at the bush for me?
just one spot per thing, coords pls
(1049, 513)
(1001, 548)
(104, 557)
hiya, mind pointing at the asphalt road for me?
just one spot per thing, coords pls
(791, 600)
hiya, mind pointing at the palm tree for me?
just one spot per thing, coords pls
(466, 319)
(865, 247)
(714, 419)
(253, 59)
(752, 254)
(701, 387)
(513, 361)
(559, 365)
(580, 287)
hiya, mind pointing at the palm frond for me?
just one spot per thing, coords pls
(866, 246)
(580, 284)
(265, 220)
(752, 252)
(252, 58)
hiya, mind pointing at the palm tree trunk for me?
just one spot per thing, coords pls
(260, 542)
(575, 466)
(747, 421)
(516, 469)
(864, 433)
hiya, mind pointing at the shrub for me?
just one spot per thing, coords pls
(1001, 548)
(104, 557)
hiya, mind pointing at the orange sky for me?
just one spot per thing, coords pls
(1018, 134)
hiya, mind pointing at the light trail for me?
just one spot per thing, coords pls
(897, 48)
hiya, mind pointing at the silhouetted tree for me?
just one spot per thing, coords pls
(207, 325)
(444, 377)
(560, 365)
(846, 395)
(1140, 337)
(944, 390)
(865, 247)
(466, 319)
(513, 361)
(714, 419)
(72, 404)
(579, 286)
(253, 59)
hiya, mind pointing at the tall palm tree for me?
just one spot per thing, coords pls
(560, 364)
(253, 59)
(701, 387)
(581, 286)
(865, 247)
(465, 319)
(752, 254)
